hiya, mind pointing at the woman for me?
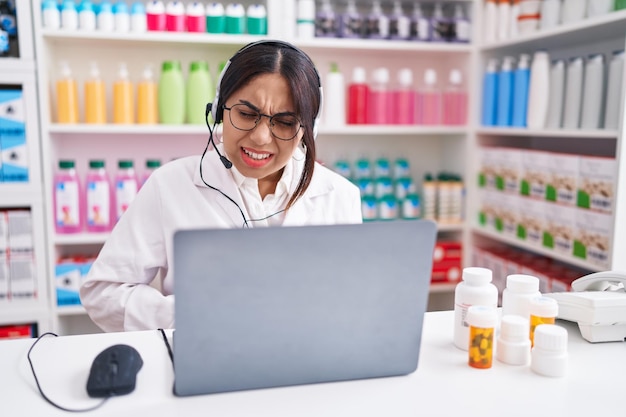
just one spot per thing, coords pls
(262, 174)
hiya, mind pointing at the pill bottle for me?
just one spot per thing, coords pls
(549, 355)
(474, 289)
(543, 310)
(520, 289)
(513, 347)
(482, 322)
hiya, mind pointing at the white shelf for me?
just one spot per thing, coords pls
(71, 310)
(20, 194)
(385, 45)
(601, 27)
(80, 238)
(21, 312)
(548, 133)
(17, 65)
(391, 130)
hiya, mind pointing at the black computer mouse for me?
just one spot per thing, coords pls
(114, 371)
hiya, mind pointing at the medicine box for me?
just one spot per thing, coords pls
(559, 230)
(593, 236)
(535, 173)
(13, 136)
(563, 179)
(596, 185)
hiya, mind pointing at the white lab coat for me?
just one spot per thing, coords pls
(121, 290)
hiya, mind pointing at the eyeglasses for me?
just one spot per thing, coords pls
(283, 126)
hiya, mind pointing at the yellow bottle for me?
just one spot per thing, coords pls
(147, 100)
(123, 98)
(67, 96)
(95, 97)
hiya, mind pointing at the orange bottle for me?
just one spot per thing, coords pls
(95, 97)
(147, 100)
(67, 96)
(123, 98)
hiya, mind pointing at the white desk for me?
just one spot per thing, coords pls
(443, 385)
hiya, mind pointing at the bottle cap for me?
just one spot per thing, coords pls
(66, 164)
(456, 78)
(68, 5)
(125, 163)
(123, 71)
(522, 283)
(198, 66)
(483, 317)
(153, 163)
(477, 275)
(430, 77)
(49, 4)
(381, 75)
(551, 337)
(120, 7)
(96, 163)
(358, 75)
(514, 328)
(86, 6)
(513, 346)
(256, 10)
(137, 8)
(544, 307)
(405, 77)
(171, 65)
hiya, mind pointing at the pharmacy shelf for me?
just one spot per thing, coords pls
(596, 28)
(15, 195)
(22, 312)
(549, 133)
(17, 65)
(71, 310)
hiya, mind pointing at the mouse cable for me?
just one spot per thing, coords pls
(167, 344)
(45, 397)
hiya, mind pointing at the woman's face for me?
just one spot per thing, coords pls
(257, 153)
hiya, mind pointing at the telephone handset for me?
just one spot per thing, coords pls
(597, 303)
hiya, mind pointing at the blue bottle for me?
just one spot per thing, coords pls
(521, 82)
(504, 112)
(490, 93)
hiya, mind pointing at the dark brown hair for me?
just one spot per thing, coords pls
(279, 57)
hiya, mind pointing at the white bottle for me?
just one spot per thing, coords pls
(69, 16)
(463, 25)
(86, 16)
(490, 28)
(557, 92)
(305, 23)
(334, 98)
(550, 14)
(539, 84)
(504, 16)
(573, 93)
(614, 91)
(138, 22)
(573, 11)
(121, 17)
(598, 7)
(105, 20)
(549, 355)
(51, 16)
(475, 289)
(520, 289)
(513, 347)
(593, 93)
(515, 11)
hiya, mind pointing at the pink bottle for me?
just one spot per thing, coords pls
(403, 99)
(196, 19)
(98, 198)
(429, 100)
(380, 109)
(455, 101)
(175, 16)
(126, 187)
(155, 15)
(358, 97)
(151, 166)
(67, 199)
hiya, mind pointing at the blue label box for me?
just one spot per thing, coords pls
(14, 160)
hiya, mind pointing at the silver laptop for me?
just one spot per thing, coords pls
(279, 306)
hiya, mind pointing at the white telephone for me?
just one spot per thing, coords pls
(597, 303)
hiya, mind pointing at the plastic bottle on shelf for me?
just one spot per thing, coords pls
(358, 97)
(235, 22)
(334, 98)
(475, 289)
(126, 186)
(593, 93)
(404, 99)
(513, 16)
(95, 97)
(539, 84)
(147, 98)
(377, 22)
(200, 91)
(504, 19)
(69, 15)
(455, 100)
(490, 94)
(151, 166)
(380, 98)
(573, 93)
(66, 96)
(175, 16)
(195, 17)
(420, 25)
(351, 22)
(86, 16)
(429, 100)
(556, 94)
(441, 25)
(305, 20)
(123, 97)
(68, 198)
(614, 91)
(105, 19)
(573, 10)
(399, 23)
(429, 197)
(215, 18)
(325, 21)
(256, 19)
(504, 113)
(138, 19)
(490, 28)
(521, 84)
(97, 197)
(462, 25)
(550, 14)
(155, 15)
(171, 93)
(121, 17)
(51, 16)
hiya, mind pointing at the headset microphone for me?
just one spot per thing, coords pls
(225, 161)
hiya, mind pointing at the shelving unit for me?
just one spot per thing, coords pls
(603, 34)
(20, 73)
(428, 149)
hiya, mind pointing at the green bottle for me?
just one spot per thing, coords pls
(171, 94)
(200, 91)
